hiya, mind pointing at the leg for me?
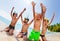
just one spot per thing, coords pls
(31, 36)
(36, 36)
(44, 39)
(25, 38)
(6, 30)
(19, 35)
(39, 39)
(10, 32)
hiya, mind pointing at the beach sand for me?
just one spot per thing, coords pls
(54, 36)
(3, 35)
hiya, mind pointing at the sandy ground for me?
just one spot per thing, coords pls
(55, 36)
(4, 37)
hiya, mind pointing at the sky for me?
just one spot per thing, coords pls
(51, 5)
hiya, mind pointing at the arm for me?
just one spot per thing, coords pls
(43, 10)
(21, 13)
(33, 5)
(31, 21)
(12, 11)
(21, 19)
(52, 19)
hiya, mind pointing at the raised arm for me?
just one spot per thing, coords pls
(31, 21)
(21, 13)
(21, 19)
(12, 11)
(52, 19)
(43, 10)
(33, 7)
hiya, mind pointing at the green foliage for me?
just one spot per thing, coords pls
(54, 28)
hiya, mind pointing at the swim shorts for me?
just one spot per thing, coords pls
(34, 35)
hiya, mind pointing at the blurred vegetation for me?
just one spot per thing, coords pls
(54, 28)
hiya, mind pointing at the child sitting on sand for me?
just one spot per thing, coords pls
(25, 26)
(14, 17)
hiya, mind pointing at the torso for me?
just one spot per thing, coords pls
(24, 27)
(13, 22)
(37, 25)
(44, 29)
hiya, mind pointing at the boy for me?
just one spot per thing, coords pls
(45, 25)
(25, 25)
(14, 17)
(37, 23)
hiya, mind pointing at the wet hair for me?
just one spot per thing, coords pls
(14, 14)
(26, 19)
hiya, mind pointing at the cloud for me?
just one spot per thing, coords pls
(5, 14)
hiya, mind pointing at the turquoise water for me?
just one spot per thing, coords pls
(6, 21)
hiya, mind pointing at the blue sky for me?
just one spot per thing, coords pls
(51, 5)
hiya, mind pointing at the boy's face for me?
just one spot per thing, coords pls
(15, 15)
(25, 21)
(38, 17)
(46, 22)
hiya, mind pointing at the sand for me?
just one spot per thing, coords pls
(54, 36)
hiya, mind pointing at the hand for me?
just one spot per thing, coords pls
(44, 9)
(41, 4)
(33, 4)
(24, 9)
(12, 8)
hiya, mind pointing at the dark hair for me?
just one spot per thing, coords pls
(26, 19)
(14, 14)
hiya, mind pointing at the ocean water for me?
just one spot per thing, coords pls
(4, 20)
